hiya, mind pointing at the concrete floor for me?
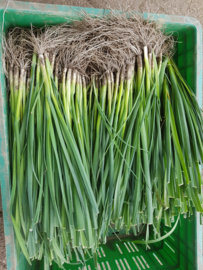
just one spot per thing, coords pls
(193, 8)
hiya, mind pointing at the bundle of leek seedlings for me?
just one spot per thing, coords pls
(103, 131)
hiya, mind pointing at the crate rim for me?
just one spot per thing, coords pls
(55, 10)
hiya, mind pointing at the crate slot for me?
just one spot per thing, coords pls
(170, 247)
(108, 265)
(127, 247)
(119, 268)
(99, 253)
(140, 262)
(157, 259)
(126, 262)
(103, 253)
(145, 261)
(131, 247)
(135, 247)
(122, 264)
(147, 245)
(119, 249)
(103, 266)
(136, 263)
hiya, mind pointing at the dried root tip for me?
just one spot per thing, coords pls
(95, 80)
(104, 80)
(64, 75)
(159, 59)
(10, 68)
(135, 62)
(24, 77)
(50, 56)
(150, 59)
(108, 76)
(117, 78)
(145, 49)
(83, 82)
(122, 73)
(139, 62)
(46, 55)
(11, 77)
(78, 78)
(41, 59)
(22, 74)
(56, 70)
(28, 76)
(130, 61)
(16, 78)
(130, 69)
(53, 61)
(111, 77)
(69, 74)
(74, 76)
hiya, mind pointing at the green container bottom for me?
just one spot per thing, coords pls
(169, 254)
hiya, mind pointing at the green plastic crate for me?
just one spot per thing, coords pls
(183, 249)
